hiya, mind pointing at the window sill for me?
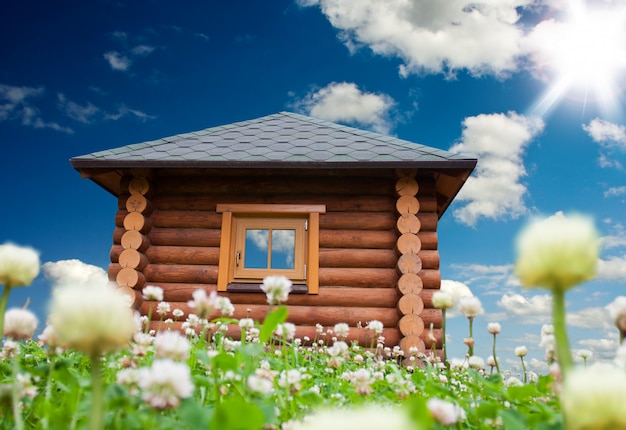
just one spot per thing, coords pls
(240, 287)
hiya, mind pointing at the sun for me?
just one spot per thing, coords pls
(584, 55)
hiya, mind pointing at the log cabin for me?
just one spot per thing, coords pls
(350, 216)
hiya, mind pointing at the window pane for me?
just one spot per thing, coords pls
(283, 249)
(256, 249)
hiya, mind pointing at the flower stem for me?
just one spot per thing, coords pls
(443, 336)
(15, 393)
(495, 359)
(524, 370)
(3, 306)
(96, 421)
(470, 348)
(563, 353)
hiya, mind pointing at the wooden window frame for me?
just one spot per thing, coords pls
(232, 212)
(243, 223)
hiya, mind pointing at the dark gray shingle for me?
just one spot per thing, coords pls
(281, 139)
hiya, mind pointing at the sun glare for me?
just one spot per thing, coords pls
(584, 55)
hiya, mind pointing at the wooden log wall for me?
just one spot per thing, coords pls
(363, 248)
(416, 320)
(135, 225)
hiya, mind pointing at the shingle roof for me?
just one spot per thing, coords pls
(280, 140)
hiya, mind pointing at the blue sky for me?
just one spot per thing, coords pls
(533, 88)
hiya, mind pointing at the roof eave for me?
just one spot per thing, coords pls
(89, 164)
(452, 173)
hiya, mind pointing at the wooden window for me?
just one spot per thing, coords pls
(258, 240)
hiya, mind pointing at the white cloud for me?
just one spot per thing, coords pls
(433, 36)
(16, 104)
(539, 366)
(530, 308)
(117, 61)
(345, 102)
(612, 139)
(122, 61)
(74, 272)
(489, 277)
(595, 317)
(617, 236)
(75, 111)
(606, 133)
(12, 98)
(603, 349)
(498, 141)
(142, 50)
(124, 111)
(615, 191)
(612, 269)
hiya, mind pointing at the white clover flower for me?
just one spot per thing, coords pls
(165, 383)
(594, 398)
(260, 385)
(203, 304)
(620, 357)
(548, 342)
(246, 323)
(265, 371)
(557, 252)
(10, 349)
(547, 329)
(92, 320)
(376, 326)
(50, 338)
(470, 306)
(476, 362)
(342, 330)
(339, 348)
(152, 292)
(25, 386)
(19, 265)
(362, 381)
(20, 323)
(129, 377)
(442, 300)
(513, 382)
(192, 320)
(521, 351)
(370, 417)
(494, 328)
(617, 310)
(584, 354)
(142, 342)
(444, 412)
(163, 308)
(290, 379)
(224, 306)
(285, 330)
(319, 329)
(172, 345)
(276, 288)
(177, 313)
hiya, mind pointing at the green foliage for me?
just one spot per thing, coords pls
(257, 384)
(273, 319)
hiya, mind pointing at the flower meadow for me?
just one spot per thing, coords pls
(97, 364)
